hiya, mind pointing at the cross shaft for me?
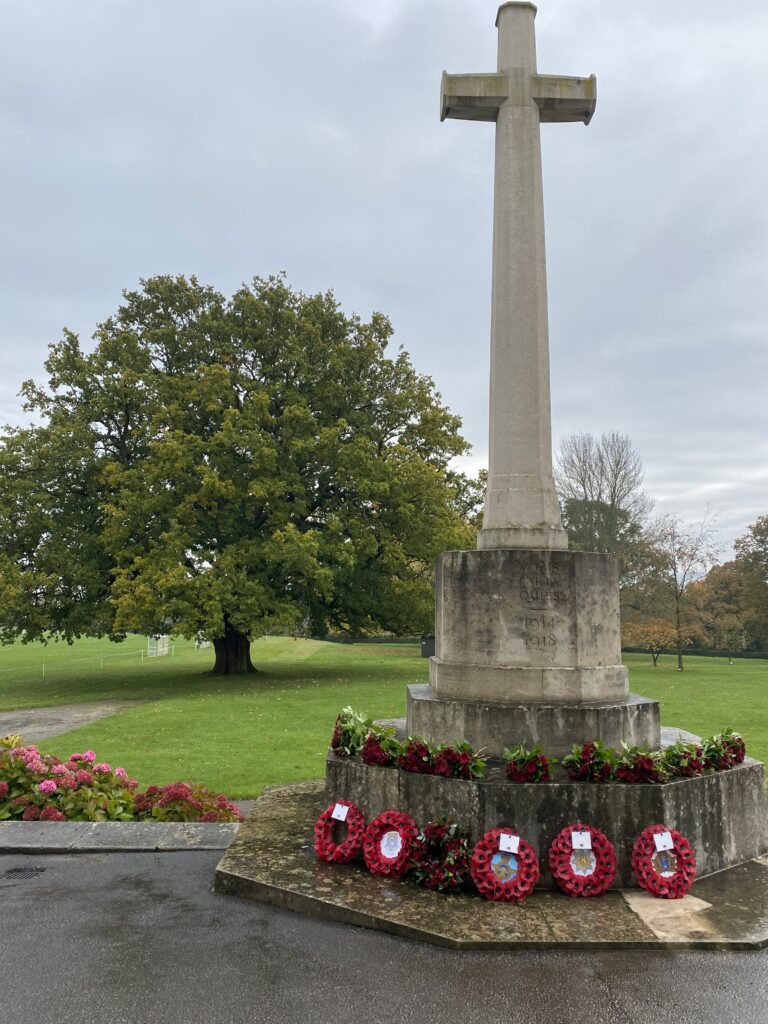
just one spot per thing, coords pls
(521, 507)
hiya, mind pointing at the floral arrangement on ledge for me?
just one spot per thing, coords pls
(353, 734)
(527, 765)
(40, 787)
(356, 735)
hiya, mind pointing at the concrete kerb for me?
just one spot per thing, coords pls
(113, 836)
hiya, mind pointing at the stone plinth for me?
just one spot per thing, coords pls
(272, 860)
(722, 814)
(520, 626)
(555, 727)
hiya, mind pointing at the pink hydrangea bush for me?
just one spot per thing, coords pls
(40, 787)
(35, 786)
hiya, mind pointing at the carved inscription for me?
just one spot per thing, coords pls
(539, 631)
(539, 582)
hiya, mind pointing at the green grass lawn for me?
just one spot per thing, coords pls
(241, 734)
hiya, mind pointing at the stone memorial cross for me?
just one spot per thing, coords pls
(521, 508)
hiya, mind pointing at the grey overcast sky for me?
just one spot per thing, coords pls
(229, 138)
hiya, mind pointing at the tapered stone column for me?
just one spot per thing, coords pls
(521, 507)
(522, 621)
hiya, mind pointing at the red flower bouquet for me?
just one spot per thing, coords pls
(351, 823)
(640, 766)
(416, 757)
(527, 765)
(349, 733)
(503, 866)
(591, 763)
(582, 860)
(663, 862)
(390, 845)
(684, 760)
(458, 762)
(723, 751)
(380, 748)
(443, 857)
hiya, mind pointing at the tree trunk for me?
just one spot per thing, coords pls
(233, 654)
(679, 631)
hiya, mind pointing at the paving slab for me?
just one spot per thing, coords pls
(37, 724)
(272, 860)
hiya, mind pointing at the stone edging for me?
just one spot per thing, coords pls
(113, 836)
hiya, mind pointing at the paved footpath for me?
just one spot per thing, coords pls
(140, 938)
(37, 724)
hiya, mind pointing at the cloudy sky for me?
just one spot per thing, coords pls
(228, 138)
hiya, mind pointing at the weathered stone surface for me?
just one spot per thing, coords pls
(41, 836)
(555, 727)
(722, 814)
(272, 860)
(518, 626)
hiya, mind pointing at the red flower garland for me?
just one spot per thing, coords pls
(339, 853)
(582, 872)
(669, 873)
(390, 845)
(503, 876)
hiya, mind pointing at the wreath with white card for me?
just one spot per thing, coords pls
(390, 846)
(663, 862)
(341, 817)
(503, 866)
(582, 860)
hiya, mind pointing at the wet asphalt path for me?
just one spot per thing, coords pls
(141, 939)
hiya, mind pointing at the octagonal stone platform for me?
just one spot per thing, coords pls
(722, 814)
(272, 861)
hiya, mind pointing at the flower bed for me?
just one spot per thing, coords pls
(40, 787)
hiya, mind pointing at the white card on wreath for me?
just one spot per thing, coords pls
(581, 840)
(340, 812)
(509, 844)
(663, 841)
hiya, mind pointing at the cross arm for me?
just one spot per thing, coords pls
(472, 97)
(564, 99)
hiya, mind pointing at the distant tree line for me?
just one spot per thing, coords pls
(675, 593)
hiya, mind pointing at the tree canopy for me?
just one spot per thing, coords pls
(231, 466)
(599, 482)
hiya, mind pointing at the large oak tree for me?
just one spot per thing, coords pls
(230, 466)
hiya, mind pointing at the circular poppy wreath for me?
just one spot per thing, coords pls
(390, 845)
(665, 873)
(339, 853)
(581, 872)
(500, 875)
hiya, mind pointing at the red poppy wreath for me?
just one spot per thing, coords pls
(341, 814)
(582, 860)
(663, 862)
(390, 845)
(503, 866)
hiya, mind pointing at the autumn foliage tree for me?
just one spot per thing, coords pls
(653, 635)
(751, 564)
(231, 466)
